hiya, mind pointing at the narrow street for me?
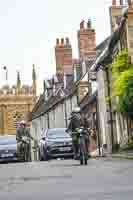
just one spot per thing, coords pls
(67, 180)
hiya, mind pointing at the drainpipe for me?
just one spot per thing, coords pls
(65, 113)
(127, 123)
(98, 127)
(48, 120)
(110, 108)
(71, 104)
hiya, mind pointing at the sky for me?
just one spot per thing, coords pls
(29, 29)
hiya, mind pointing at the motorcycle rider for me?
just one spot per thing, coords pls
(75, 123)
(23, 131)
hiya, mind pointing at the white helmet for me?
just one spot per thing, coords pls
(23, 122)
(76, 110)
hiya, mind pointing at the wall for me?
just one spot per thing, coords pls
(102, 108)
(57, 116)
(14, 109)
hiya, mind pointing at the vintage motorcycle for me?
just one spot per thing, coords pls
(24, 146)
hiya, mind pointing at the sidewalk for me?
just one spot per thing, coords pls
(124, 154)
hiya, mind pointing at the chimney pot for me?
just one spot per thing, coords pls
(89, 23)
(113, 2)
(67, 41)
(121, 2)
(62, 41)
(82, 24)
(57, 41)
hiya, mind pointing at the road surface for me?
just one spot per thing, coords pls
(102, 179)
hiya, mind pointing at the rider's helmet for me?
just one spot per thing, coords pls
(76, 110)
(23, 123)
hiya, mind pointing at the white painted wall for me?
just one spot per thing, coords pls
(102, 105)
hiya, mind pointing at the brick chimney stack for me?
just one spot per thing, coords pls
(63, 56)
(86, 41)
(113, 2)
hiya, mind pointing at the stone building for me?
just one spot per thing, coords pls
(113, 124)
(16, 103)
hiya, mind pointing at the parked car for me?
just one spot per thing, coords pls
(55, 143)
(8, 148)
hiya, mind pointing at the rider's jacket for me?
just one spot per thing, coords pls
(22, 132)
(74, 124)
(75, 121)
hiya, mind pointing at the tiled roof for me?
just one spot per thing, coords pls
(60, 95)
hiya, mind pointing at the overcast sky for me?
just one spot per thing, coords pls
(29, 29)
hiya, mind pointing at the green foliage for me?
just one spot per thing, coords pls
(120, 63)
(123, 82)
(108, 99)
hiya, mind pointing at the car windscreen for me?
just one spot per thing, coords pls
(7, 140)
(57, 133)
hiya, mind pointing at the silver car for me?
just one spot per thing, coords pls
(55, 143)
(8, 148)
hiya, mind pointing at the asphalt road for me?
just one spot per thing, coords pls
(66, 180)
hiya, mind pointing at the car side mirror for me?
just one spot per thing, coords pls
(43, 138)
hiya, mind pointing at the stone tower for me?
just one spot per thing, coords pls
(86, 41)
(63, 56)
